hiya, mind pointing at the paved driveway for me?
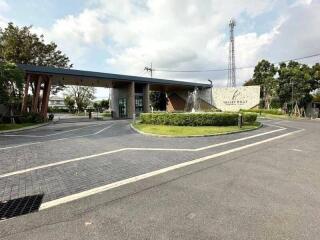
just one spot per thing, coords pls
(262, 184)
(67, 158)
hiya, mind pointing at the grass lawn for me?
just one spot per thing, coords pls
(273, 116)
(9, 126)
(180, 131)
(106, 114)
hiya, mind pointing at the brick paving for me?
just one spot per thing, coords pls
(66, 179)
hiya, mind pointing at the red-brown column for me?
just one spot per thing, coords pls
(35, 98)
(25, 96)
(45, 97)
(131, 100)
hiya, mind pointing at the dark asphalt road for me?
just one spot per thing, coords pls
(268, 191)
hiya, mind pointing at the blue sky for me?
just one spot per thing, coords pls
(123, 36)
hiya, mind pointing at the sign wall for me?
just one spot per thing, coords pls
(234, 99)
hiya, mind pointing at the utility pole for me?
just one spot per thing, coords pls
(232, 62)
(149, 69)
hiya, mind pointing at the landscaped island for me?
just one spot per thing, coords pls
(194, 124)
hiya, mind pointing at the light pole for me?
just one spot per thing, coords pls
(291, 96)
(211, 83)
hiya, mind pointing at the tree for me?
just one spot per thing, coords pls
(96, 106)
(69, 102)
(11, 85)
(158, 100)
(249, 82)
(316, 96)
(264, 75)
(315, 74)
(101, 105)
(295, 83)
(81, 95)
(21, 46)
(104, 104)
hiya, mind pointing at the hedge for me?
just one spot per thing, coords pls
(24, 118)
(267, 111)
(196, 119)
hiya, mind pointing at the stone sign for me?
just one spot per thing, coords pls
(234, 99)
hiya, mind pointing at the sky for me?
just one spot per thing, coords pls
(124, 36)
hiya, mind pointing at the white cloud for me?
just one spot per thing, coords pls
(298, 35)
(186, 34)
(76, 35)
(183, 35)
(4, 7)
(301, 2)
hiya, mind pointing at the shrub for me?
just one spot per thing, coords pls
(31, 118)
(195, 119)
(249, 117)
(24, 118)
(57, 110)
(106, 114)
(267, 111)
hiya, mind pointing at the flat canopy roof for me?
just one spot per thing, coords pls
(100, 79)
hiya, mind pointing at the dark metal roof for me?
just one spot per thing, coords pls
(106, 76)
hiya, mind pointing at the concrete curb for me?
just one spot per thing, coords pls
(206, 135)
(25, 128)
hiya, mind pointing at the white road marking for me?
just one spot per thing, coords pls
(133, 149)
(49, 135)
(100, 189)
(60, 139)
(296, 150)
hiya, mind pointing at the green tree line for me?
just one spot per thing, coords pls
(288, 83)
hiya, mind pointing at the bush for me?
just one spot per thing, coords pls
(275, 103)
(106, 114)
(267, 111)
(249, 117)
(24, 118)
(195, 119)
(57, 110)
(31, 118)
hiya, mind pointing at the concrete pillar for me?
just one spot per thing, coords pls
(45, 97)
(25, 94)
(115, 102)
(131, 100)
(35, 98)
(146, 98)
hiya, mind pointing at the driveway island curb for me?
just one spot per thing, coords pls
(191, 136)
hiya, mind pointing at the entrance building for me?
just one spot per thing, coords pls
(130, 95)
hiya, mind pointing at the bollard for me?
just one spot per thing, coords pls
(240, 120)
(134, 118)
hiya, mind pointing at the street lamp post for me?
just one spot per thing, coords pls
(211, 83)
(291, 96)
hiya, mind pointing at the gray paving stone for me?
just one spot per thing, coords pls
(75, 177)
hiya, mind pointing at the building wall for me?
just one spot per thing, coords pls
(175, 103)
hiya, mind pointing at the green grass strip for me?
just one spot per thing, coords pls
(184, 131)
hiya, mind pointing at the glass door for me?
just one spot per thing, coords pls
(139, 104)
(123, 107)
